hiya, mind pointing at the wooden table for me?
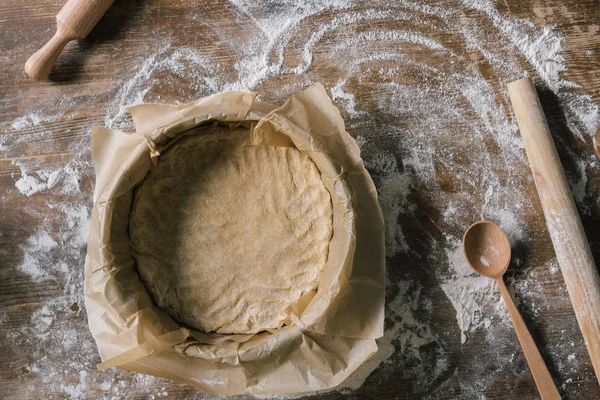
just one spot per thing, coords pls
(175, 51)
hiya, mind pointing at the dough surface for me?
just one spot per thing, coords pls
(227, 235)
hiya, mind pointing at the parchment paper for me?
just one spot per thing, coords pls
(328, 334)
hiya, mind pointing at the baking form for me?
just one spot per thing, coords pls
(331, 331)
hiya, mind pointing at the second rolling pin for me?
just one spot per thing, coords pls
(74, 21)
(566, 231)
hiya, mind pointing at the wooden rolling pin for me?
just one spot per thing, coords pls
(568, 237)
(597, 143)
(74, 21)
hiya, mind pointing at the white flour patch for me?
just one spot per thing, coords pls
(4, 139)
(128, 95)
(58, 254)
(450, 211)
(394, 187)
(35, 252)
(476, 298)
(79, 390)
(509, 222)
(266, 36)
(33, 119)
(399, 36)
(579, 187)
(32, 182)
(585, 111)
(106, 385)
(406, 337)
(338, 93)
(484, 261)
(53, 256)
(553, 266)
(29, 184)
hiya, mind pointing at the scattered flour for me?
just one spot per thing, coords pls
(579, 187)
(35, 255)
(51, 254)
(553, 266)
(32, 182)
(338, 93)
(33, 119)
(79, 390)
(476, 298)
(404, 340)
(29, 184)
(394, 187)
(430, 99)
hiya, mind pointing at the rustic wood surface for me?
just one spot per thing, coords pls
(91, 73)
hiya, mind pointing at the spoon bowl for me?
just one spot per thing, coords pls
(487, 249)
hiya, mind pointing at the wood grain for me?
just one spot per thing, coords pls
(88, 78)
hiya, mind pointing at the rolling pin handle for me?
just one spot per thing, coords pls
(41, 63)
(597, 143)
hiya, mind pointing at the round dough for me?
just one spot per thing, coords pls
(227, 235)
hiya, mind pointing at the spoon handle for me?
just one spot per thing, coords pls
(538, 368)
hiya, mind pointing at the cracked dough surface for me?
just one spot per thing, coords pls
(227, 235)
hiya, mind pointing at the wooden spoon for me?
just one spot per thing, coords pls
(487, 250)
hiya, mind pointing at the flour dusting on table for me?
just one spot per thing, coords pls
(429, 101)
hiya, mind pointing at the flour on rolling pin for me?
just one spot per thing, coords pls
(566, 231)
(74, 21)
